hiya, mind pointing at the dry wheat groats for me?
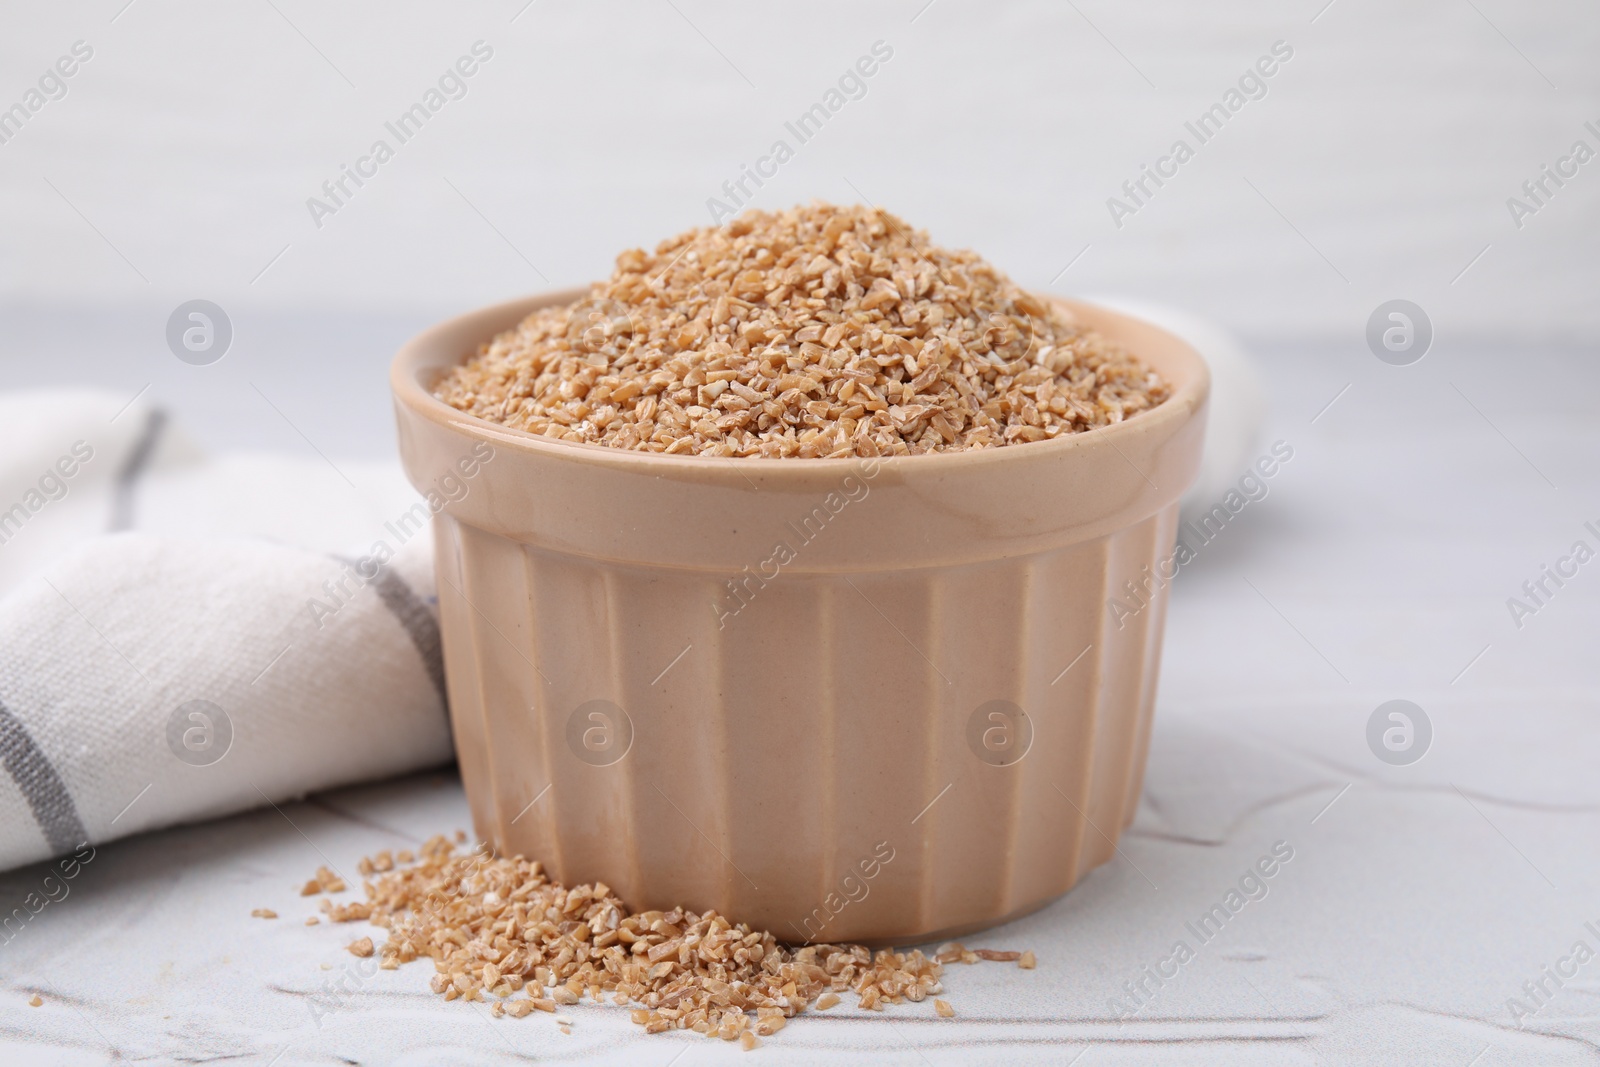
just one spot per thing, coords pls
(818, 332)
(499, 930)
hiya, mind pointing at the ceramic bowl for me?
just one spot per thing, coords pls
(886, 701)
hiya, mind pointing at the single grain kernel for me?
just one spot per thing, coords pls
(1027, 962)
(944, 1009)
(362, 948)
(263, 913)
(996, 955)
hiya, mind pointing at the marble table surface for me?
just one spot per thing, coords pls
(1423, 906)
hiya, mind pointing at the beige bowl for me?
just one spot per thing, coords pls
(840, 700)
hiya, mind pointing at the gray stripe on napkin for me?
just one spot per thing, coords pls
(413, 616)
(47, 795)
(418, 621)
(132, 468)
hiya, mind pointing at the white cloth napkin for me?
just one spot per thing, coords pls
(181, 638)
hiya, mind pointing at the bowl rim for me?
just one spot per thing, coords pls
(420, 353)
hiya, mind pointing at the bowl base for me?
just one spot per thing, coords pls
(951, 933)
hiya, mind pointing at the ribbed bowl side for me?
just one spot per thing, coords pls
(814, 754)
(463, 683)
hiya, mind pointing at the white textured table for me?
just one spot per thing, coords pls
(1418, 901)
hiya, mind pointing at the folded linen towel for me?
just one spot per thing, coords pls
(183, 638)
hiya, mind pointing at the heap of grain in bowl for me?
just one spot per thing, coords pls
(818, 332)
(499, 930)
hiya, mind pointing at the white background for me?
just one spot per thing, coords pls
(1391, 141)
